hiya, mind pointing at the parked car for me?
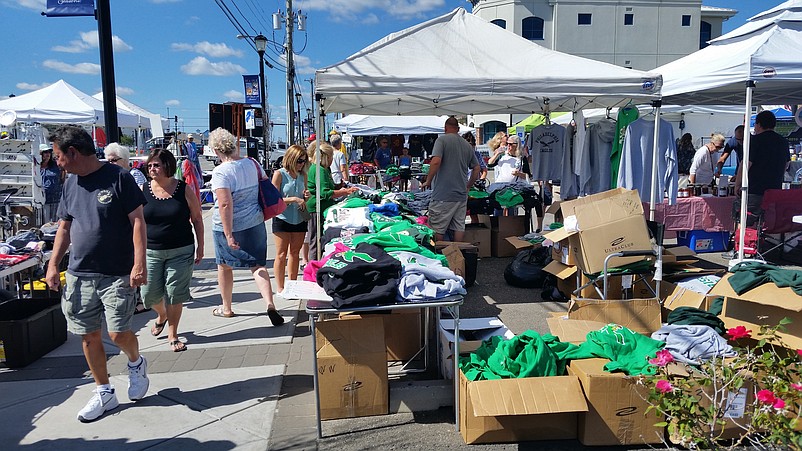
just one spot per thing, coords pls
(277, 151)
(247, 147)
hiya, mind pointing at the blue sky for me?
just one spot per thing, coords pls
(184, 54)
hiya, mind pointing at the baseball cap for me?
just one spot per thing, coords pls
(45, 148)
(312, 137)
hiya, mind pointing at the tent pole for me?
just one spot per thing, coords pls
(750, 86)
(654, 198)
(318, 142)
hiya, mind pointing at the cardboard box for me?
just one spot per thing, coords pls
(571, 330)
(561, 252)
(504, 227)
(555, 210)
(456, 262)
(611, 221)
(566, 276)
(478, 233)
(472, 332)
(520, 244)
(402, 334)
(470, 259)
(765, 304)
(352, 367)
(640, 315)
(567, 283)
(513, 410)
(616, 407)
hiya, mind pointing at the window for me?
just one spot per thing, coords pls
(686, 20)
(583, 19)
(532, 28)
(629, 19)
(500, 22)
(704, 34)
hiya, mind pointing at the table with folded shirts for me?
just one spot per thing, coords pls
(316, 308)
(706, 212)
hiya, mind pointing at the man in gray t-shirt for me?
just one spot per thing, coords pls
(452, 156)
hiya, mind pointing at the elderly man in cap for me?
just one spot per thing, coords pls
(52, 179)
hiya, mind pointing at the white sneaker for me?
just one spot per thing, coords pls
(279, 293)
(138, 381)
(101, 402)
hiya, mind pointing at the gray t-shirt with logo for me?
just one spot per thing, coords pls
(101, 234)
(457, 156)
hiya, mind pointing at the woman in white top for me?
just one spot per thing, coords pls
(507, 165)
(704, 160)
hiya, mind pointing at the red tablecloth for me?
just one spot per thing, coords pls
(711, 214)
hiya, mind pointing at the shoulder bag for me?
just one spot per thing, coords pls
(270, 199)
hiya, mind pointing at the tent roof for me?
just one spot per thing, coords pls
(399, 125)
(62, 103)
(766, 50)
(450, 65)
(143, 116)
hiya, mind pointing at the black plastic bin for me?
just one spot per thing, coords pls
(29, 329)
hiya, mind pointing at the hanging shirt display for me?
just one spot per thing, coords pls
(594, 177)
(635, 169)
(546, 147)
(569, 181)
(626, 116)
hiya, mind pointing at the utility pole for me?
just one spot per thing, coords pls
(290, 23)
(107, 71)
(312, 104)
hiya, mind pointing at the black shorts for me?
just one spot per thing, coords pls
(280, 225)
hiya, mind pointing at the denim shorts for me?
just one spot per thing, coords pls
(87, 299)
(252, 248)
(169, 274)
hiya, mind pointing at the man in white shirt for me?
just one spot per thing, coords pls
(705, 159)
(339, 168)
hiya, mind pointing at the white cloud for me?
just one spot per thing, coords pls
(36, 5)
(303, 64)
(347, 10)
(89, 40)
(32, 86)
(215, 50)
(172, 102)
(201, 66)
(234, 95)
(123, 91)
(80, 68)
(370, 19)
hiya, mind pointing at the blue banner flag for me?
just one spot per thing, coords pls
(253, 92)
(64, 8)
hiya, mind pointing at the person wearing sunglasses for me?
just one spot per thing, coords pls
(705, 159)
(289, 228)
(117, 154)
(170, 210)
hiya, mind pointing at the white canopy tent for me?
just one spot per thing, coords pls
(759, 62)
(440, 67)
(62, 103)
(397, 125)
(147, 119)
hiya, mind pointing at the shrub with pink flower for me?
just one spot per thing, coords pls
(766, 396)
(664, 386)
(662, 358)
(797, 387)
(736, 333)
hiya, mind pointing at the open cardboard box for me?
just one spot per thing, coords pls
(513, 410)
(616, 407)
(472, 331)
(477, 232)
(611, 221)
(640, 315)
(766, 304)
(503, 227)
(571, 330)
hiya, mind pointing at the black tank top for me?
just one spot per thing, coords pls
(168, 219)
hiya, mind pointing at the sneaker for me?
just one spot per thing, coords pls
(279, 293)
(138, 381)
(101, 402)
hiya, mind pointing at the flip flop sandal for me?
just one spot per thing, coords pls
(177, 346)
(158, 328)
(218, 311)
(275, 318)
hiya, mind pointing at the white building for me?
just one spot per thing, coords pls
(639, 34)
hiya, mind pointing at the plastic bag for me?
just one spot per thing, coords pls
(526, 269)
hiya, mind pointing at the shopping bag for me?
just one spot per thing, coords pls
(270, 199)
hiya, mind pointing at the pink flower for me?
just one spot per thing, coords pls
(797, 387)
(662, 358)
(799, 351)
(766, 396)
(664, 386)
(739, 332)
(779, 403)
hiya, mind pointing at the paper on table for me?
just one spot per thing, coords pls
(301, 289)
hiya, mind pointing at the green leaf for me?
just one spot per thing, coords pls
(661, 424)
(785, 321)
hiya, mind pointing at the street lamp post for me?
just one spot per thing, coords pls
(261, 43)
(298, 96)
(309, 121)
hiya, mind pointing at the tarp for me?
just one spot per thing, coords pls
(62, 103)
(451, 65)
(398, 125)
(533, 121)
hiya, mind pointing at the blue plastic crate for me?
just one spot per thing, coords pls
(701, 241)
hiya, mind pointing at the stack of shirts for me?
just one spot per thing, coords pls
(363, 276)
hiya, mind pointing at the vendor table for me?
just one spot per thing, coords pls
(316, 308)
(16, 270)
(708, 213)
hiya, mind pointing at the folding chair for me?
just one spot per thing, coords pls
(640, 271)
(779, 208)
